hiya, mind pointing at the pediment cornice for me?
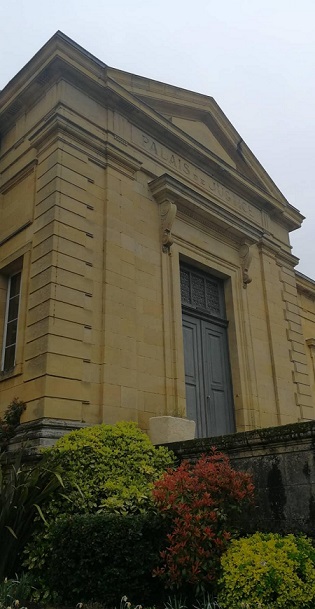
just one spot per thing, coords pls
(305, 285)
(61, 58)
(190, 203)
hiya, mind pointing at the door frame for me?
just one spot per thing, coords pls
(219, 321)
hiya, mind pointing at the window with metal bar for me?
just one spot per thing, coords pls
(11, 322)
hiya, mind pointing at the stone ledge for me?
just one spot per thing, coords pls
(33, 436)
(270, 440)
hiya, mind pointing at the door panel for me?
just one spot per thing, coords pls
(207, 377)
(193, 357)
(213, 355)
(217, 411)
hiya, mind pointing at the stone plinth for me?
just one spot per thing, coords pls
(163, 430)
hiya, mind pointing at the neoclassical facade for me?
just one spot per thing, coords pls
(145, 261)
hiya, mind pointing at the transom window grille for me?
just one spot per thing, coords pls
(200, 291)
(11, 322)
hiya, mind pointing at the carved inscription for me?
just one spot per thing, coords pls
(206, 182)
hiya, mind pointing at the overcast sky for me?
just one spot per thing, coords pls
(255, 57)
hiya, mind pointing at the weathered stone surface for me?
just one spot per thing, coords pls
(282, 463)
(108, 183)
(170, 429)
(31, 437)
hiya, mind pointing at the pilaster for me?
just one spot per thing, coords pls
(286, 341)
(277, 326)
(298, 355)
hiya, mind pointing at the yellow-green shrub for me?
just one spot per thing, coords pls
(105, 468)
(268, 571)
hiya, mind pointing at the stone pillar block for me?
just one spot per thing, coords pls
(163, 430)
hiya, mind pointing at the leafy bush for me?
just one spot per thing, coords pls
(105, 468)
(15, 592)
(10, 421)
(22, 491)
(270, 572)
(94, 557)
(202, 500)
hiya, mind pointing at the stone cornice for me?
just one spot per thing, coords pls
(287, 259)
(305, 285)
(189, 202)
(195, 106)
(121, 161)
(56, 124)
(283, 258)
(170, 99)
(39, 70)
(61, 58)
(58, 127)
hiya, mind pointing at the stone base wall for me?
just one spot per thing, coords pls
(282, 463)
(280, 459)
(30, 438)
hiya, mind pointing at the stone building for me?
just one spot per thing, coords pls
(145, 262)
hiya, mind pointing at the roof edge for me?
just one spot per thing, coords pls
(41, 56)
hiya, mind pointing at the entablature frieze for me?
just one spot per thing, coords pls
(66, 61)
(191, 204)
(224, 183)
(177, 200)
(210, 228)
(98, 149)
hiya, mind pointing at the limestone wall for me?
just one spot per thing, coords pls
(306, 299)
(103, 195)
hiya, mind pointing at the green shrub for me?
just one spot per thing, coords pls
(22, 492)
(10, 421)
(15, 592)
(106, 467)
(95, 557)
(270, 572)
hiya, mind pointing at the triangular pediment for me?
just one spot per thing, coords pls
(187, 122)
(202, 134)
(199, 117)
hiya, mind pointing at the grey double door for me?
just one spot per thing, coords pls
(207, 371)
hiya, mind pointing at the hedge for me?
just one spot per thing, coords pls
(101, 557)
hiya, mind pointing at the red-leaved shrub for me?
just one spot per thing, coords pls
(202, 500)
